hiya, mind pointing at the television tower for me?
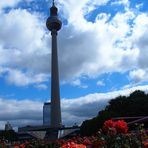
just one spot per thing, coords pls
(54, 25)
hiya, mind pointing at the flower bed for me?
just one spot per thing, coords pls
(114, 134)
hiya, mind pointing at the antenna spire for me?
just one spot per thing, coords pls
(53, 3)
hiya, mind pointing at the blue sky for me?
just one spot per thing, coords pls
(102, 45)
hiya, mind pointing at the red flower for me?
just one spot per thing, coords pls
(145, 143)
(121, 126)
(113, 127)
(108, 125)
(22, 146)
(73, 145)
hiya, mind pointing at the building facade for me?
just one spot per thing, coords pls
(47, 114)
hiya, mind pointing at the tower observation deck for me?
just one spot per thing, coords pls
(54, 25)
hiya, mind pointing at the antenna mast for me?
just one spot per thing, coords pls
(53, 2)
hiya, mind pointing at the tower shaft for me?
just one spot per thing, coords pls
(55, 90)
(54, 25)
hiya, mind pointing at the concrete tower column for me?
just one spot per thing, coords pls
(55, 90)
(54, 25)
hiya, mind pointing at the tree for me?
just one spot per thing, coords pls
(136, 104)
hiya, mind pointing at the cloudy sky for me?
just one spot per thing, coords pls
(103, 53)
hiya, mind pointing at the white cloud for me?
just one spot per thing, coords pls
(41, 86)
(22, 31)
(20, 113)
(103, 46)
(20, 78)
(24, 48)
(79, 109)
(78, 83)
(8, 3)
(139, 6)
(138, 75)
(100, 83)
(11, 3)
(79, 9)
(140, 39)
(119, 2)
(85, 48)
(100, 48)
(26, 112)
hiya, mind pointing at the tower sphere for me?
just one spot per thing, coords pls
(53, 23)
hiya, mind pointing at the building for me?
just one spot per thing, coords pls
(54, 25)
(47, 114)
(8, 127)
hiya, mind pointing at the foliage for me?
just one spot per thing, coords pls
(136, 104)
(9, 135)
